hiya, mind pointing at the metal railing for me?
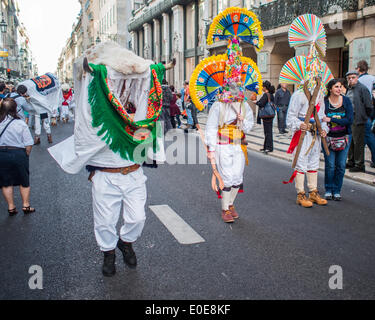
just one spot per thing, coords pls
(283, 12)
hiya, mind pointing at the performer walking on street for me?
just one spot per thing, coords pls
(225, 78)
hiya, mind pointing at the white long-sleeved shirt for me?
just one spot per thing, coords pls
(297, 110)
(224, 111)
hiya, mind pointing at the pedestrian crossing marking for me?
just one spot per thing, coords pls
(182, 231)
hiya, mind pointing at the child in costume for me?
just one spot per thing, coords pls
(224, 79)
(67, 104)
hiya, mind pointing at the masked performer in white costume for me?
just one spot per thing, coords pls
(112, 142)
(45, 96)
(306, 107)
(224, 79)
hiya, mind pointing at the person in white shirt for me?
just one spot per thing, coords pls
(15, 147)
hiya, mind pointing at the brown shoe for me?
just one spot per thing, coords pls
(315, 198)
(233, 212)
(37, 140)
(303, 201)
(226, 215)
(49, 137)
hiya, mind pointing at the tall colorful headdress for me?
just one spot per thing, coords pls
(215, 75)
(307, 30)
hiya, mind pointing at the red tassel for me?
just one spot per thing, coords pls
(219, 194)
(312, 171)
(292, 177)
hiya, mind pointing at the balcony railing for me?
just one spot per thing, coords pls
(369, 3)
(283, 12)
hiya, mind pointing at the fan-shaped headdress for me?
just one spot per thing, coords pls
(307, 30)
(216, 75)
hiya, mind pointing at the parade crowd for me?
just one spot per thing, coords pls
(116, 103)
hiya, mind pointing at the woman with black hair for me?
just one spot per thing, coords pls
(268, 96)
(339, 117)
(15, 147)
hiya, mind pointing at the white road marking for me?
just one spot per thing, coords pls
(183, 233)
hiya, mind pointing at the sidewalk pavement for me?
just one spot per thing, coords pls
(281, 143)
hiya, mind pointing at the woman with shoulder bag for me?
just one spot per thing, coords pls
(339, 117)
(267, 113)
(15, 147)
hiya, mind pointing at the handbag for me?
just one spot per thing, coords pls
(43, 116)
(268, 112)
(337, 144)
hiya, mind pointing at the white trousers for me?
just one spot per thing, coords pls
(230, 162)
(310, 161)
(64, 112)
(112, 192)
(46, 125)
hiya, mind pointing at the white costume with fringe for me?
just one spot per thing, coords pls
(110, 191)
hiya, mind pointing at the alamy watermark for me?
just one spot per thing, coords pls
(36, 280)
(336, 280)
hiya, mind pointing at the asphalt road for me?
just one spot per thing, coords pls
(276, 250)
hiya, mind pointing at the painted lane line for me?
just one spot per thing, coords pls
(183, 233)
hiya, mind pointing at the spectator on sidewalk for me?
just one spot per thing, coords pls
(268, 95)
(2, 90)
(174, 110)
(362, 107)
(368, 81)
(15, 147)
(339, 118)
(282, 98)
(24, 108)
(165, 115)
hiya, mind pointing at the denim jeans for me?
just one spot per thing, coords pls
(370, 139)
(281, 118)
(335, 169)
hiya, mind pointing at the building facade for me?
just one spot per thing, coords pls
(162, 30)
(14, 45)
(98, 21)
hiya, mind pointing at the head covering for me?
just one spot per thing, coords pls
(225, 77)
(65, 87)
(352, 72)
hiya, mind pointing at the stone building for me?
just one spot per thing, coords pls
(14, 44)
(99, 20)
(162, 30)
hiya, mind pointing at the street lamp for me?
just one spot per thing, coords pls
(97, 40)
(3, 25)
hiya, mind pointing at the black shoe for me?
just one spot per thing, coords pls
(267, 151)
(349, 166)
(262, 150)
(109, 268)
(128, 253)
(357, 169)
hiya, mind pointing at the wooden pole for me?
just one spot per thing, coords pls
(310, 110)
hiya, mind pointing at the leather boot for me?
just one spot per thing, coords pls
(315, 198)
(226, 215)
(128, 253)
(49, 137)
(303, 201)
(109, 268)
(36, 140)
(233, 211)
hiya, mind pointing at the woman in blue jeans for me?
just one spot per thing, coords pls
(339, 117)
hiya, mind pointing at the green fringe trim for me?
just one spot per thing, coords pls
(112, 125)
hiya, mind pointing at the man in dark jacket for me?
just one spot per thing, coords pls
(167, 97)
(362, 106)
(282, 98)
